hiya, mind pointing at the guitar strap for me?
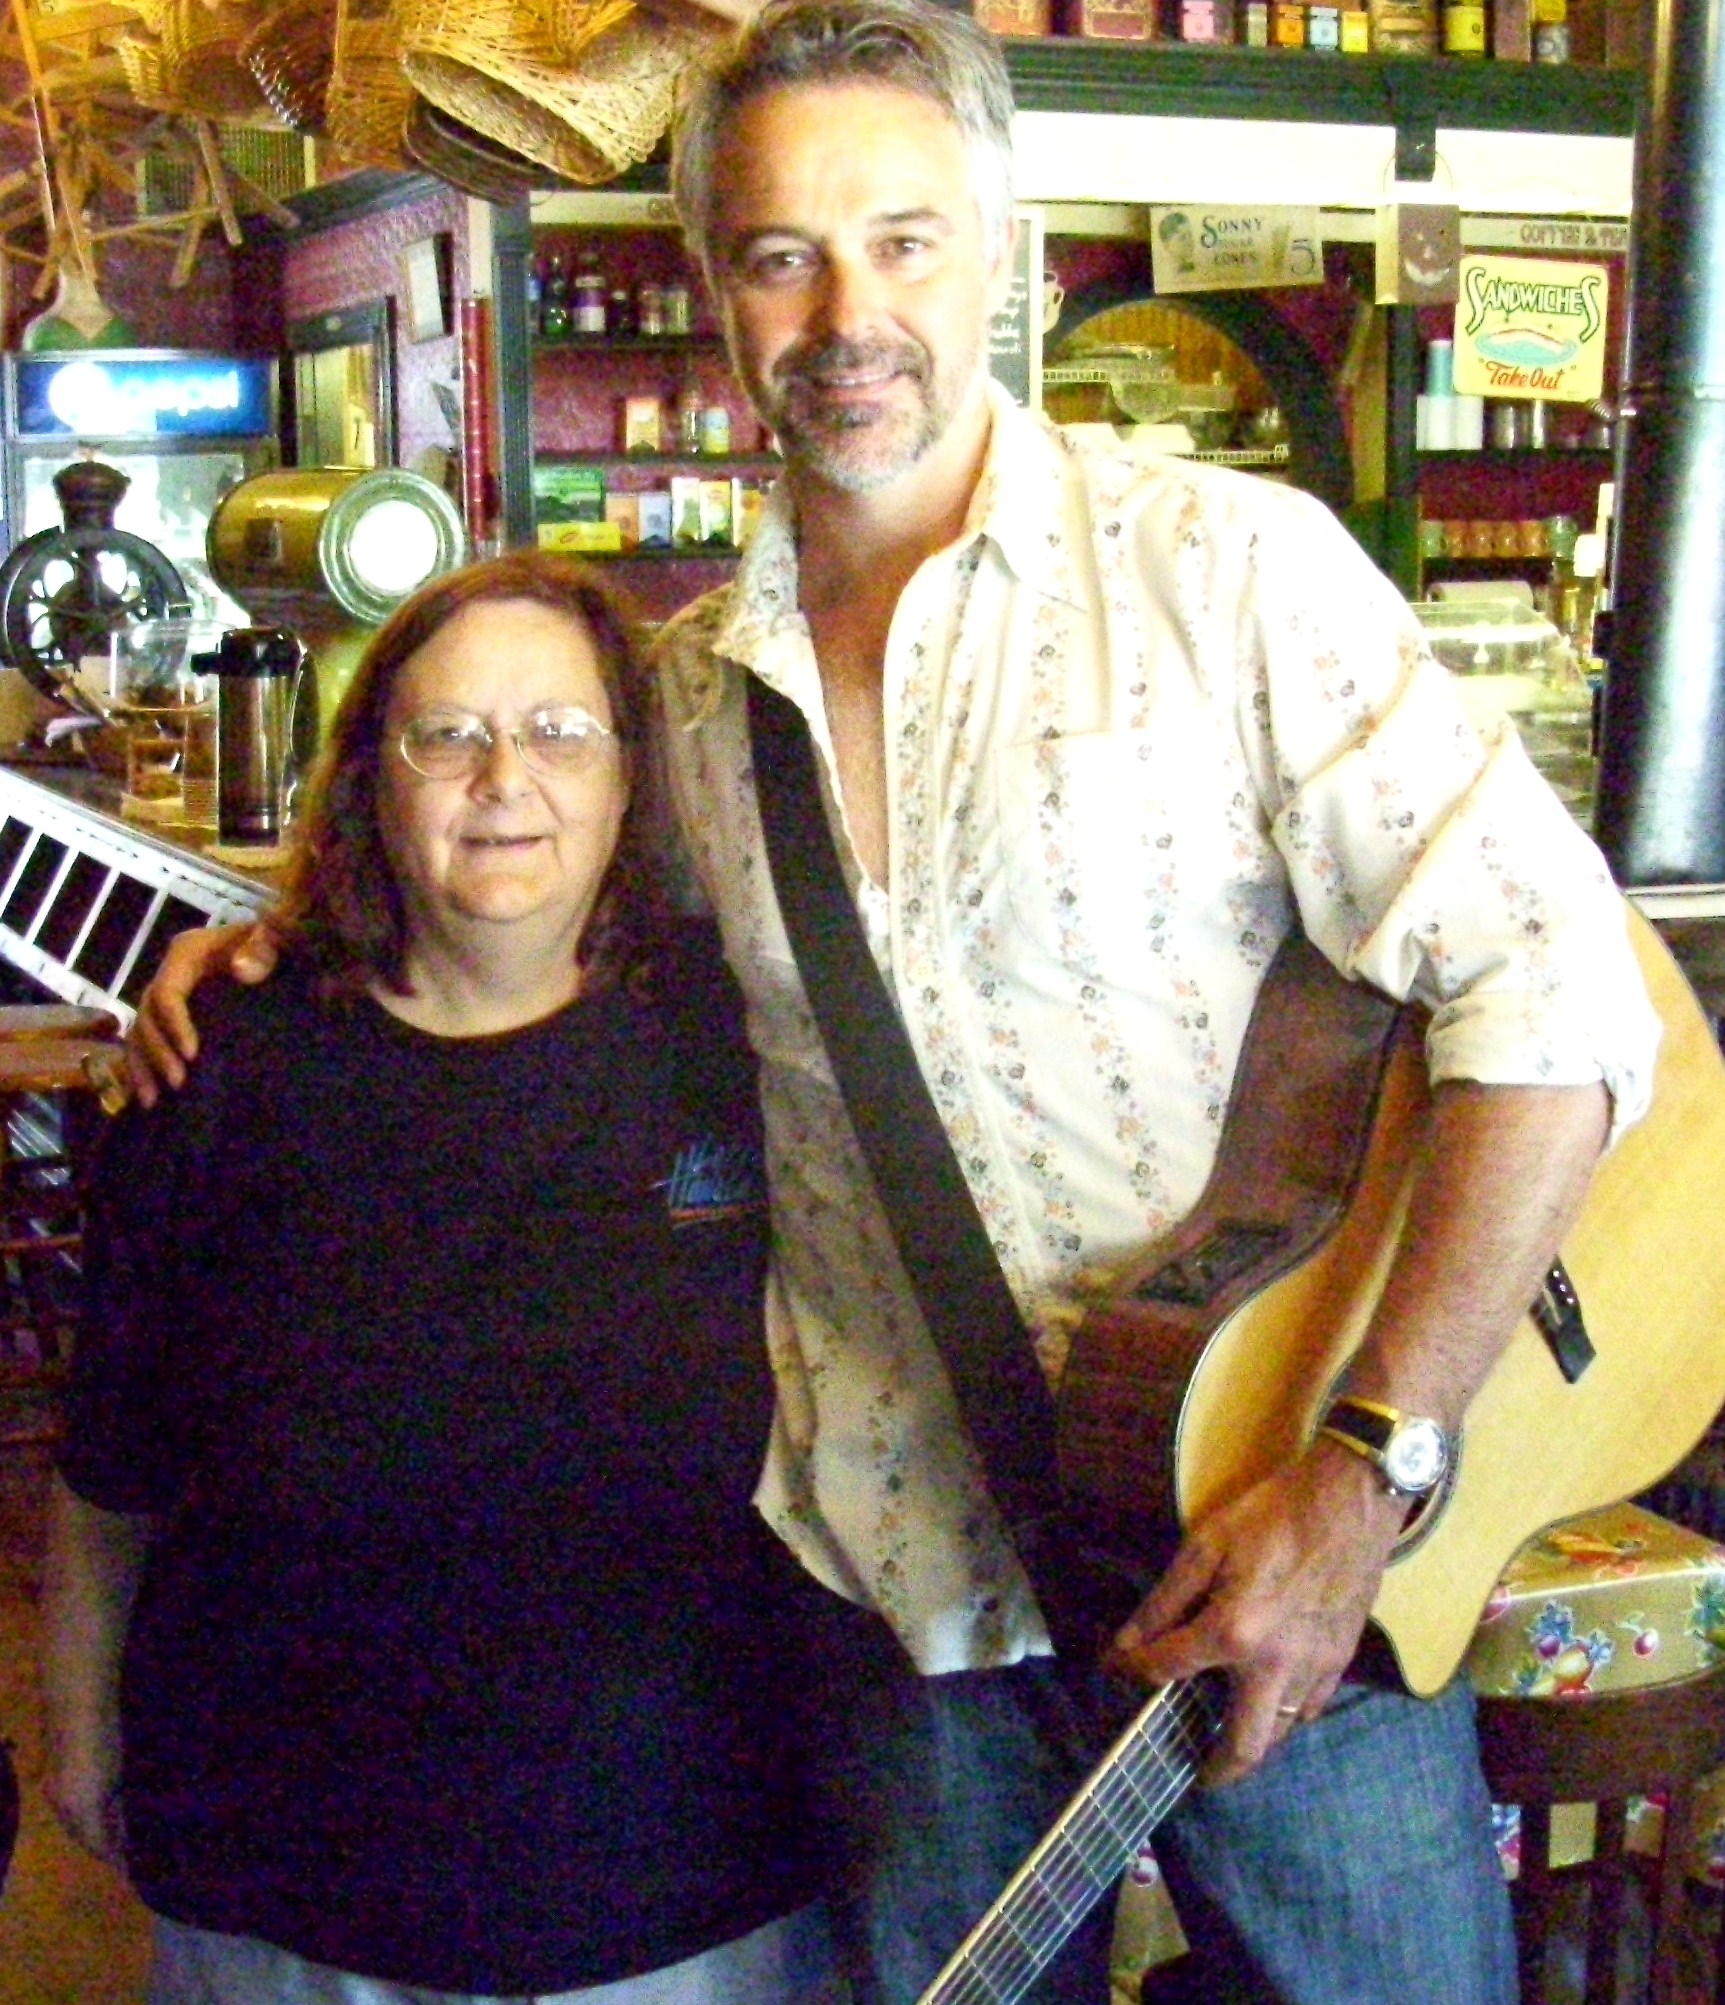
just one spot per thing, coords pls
(942, 1242)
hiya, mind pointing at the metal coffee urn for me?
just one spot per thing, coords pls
(328, 553)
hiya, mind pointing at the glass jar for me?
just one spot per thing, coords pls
(587, 303)
(650, 308)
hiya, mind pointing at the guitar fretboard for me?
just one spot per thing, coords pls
(1140, 1779)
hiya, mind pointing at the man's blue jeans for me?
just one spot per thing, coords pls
(1355, 1867)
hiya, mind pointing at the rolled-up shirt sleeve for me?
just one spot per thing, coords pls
(1427, 857)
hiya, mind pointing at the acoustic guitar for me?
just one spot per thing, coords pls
(1211, 1363)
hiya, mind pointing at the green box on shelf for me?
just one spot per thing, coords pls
(569, 493)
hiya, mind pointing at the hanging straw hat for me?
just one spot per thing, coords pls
(291, 52)
(467, 159)
(513, 75)
(368, 99)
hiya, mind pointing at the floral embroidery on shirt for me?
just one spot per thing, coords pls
(1140, 721)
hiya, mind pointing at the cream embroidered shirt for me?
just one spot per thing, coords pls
(1138, 723)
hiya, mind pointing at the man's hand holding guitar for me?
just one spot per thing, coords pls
(1275, 1586)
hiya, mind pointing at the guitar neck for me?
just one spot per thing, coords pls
(1138, 1781)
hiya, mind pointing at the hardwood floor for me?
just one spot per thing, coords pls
(70, 1932)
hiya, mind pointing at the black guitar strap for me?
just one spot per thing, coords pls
(942, 1241)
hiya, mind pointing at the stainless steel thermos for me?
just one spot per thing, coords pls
(260, 672)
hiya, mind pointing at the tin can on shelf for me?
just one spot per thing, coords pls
(1464, 28)
(1404, 27)
(677, 309)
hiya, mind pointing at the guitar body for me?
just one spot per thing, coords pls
(1213, 1362)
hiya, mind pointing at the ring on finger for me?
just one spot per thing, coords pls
(1287, 1712)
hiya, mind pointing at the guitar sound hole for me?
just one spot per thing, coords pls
(1195, 1279)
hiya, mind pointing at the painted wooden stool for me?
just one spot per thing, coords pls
(1600, 1669)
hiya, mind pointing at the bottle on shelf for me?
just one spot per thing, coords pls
(1587, 564)
(690, 406)
(620, 311)
(587, 301)
(1551, 31)
(535, 297)
(1560, 589)
(650, 308)
(554, 306)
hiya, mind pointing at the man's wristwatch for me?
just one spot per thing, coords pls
(1411, 1455)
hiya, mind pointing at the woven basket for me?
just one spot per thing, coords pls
(141, 61)
(290, 53)
(587, 122)
(368, 99)
(201, 66)
(464, 158)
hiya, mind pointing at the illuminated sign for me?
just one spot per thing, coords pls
(198, 396)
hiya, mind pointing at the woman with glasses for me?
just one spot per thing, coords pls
(411, 1633)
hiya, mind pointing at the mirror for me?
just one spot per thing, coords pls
(343, 392)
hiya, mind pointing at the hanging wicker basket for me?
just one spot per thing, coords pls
(586, 120)
(202, 70)
(141, 62)
(368, 99)
(466, 159)
(290, 53)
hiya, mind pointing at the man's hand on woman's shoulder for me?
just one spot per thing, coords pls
(163, 1039)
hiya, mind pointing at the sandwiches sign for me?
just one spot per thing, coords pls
(1531, 327)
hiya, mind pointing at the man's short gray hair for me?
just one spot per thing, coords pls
(932, 51)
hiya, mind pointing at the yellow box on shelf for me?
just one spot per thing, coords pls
(592, 538)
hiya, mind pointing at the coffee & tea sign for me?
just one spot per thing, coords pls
(1531, 327)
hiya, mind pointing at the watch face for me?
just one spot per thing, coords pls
(1416, 1456)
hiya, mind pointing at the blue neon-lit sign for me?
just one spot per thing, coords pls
(101, 397)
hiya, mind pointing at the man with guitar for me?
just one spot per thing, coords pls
(1094, 737)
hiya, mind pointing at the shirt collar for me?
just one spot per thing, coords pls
(1020, 502)
(1019, 506)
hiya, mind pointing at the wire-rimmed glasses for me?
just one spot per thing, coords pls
(448, 744)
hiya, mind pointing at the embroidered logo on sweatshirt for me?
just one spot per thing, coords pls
(714, 1179)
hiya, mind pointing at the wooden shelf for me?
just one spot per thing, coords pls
(1187, 80)
(679, 553)
(627, 344)
(1519, 457)
(695, 462)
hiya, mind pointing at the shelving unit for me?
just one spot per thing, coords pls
(1116, 123)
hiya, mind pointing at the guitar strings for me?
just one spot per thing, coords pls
(1141, 1778)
